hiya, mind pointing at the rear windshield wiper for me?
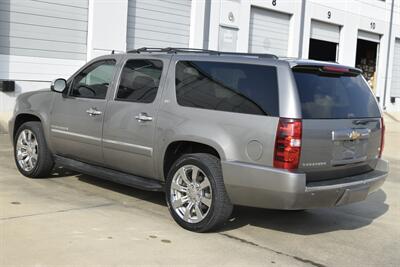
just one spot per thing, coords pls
(364, 122)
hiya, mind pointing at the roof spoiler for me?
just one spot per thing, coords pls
(329, 69)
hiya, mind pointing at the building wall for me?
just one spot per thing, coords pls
(39, 41)
(43, 40)
(371, 16)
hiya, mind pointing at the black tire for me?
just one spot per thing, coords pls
(45, 162)
(220, 208)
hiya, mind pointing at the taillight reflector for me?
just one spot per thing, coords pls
(382, 137)
(288, 144)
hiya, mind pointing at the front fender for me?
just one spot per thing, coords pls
(38, 104)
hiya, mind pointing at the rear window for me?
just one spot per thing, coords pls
(232, 87)
(334, 96)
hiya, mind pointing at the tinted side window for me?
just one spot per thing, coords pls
(334, 96)
(93, 82)
(140, 80)
(232, 87)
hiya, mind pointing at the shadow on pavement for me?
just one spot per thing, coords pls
(310, 222)
(60, 172)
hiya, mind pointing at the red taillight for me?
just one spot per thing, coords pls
(288, 144)
(335, 69)
(382, 137)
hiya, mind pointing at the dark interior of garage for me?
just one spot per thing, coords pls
(366, 60)
(322, 50)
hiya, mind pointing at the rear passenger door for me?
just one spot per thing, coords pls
(129, 125)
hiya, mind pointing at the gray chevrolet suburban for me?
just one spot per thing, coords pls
(210, 129)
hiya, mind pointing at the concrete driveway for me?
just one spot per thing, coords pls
(73, 219)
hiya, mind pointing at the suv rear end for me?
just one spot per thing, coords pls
(329, 155)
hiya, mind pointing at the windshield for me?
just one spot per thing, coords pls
(334, 96)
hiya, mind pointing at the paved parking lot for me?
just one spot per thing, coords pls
(74, 219)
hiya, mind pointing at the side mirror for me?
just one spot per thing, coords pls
(58, 85)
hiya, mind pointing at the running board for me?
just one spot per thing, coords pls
(110, 175)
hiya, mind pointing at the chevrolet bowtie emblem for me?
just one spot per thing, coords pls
(354, 135)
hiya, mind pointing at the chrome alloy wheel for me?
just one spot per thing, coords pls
(27, 150)
(191, 194)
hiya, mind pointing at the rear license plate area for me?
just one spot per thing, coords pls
(349, 146)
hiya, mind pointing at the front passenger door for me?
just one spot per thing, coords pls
(77, 118)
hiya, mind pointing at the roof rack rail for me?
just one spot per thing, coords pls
(176, 50)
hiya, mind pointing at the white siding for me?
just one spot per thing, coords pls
(47, 29)
(325, 31)
(395, 89)
(158, 23)
(269, 32)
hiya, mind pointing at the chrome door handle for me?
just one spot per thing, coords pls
(142, 117)
(93, 112)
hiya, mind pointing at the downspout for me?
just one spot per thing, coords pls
(302, 19)
(207, 17)
(388, 56)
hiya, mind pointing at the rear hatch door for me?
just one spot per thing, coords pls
(341, 122)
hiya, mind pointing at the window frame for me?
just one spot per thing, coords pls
(115, 98)
(70, 89)
(177, 61)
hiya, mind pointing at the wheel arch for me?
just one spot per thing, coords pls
(177, 148)
(22, 118)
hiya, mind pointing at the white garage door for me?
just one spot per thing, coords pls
(269, 32)
(325, 31)
(395, 90)
(46, 29)
(368, 36)
(158, 23)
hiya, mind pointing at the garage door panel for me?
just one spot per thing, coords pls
(45, 9)
(269, 32)
(274, 22)
(159, 35)
(369, 36)
(158, 23)
(148, 42)
(148, 29)
(41, 53)
(51, 29)
(42, 33)
(261, 49)
(265, 15)
(395, 88)
(280, 44)
(31, 19)
(160, 15)
(277, 28)
(72, 3)
(141, 23)
(43, 45)
(163, 6)
(180, 2)
(325, 31)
